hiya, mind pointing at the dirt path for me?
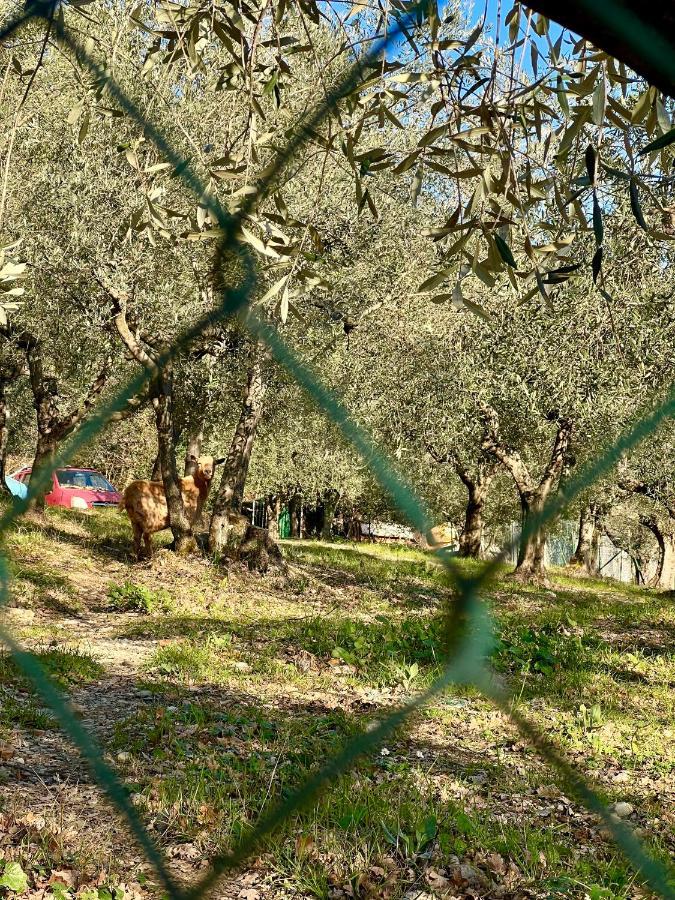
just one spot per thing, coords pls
(49, 800)
(52, 808)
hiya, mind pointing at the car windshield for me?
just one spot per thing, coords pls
(81, 478)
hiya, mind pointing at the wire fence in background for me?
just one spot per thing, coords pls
(469, 632)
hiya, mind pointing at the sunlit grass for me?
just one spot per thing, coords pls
(253, 683)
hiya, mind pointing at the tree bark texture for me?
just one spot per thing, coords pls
(52, 427)
(533, 493)
(585, 556)
(156, 474)
(161, 397)
(477, 484)
(664, 532)
(477, 481)
(605, 31)
(7, 376)
(295, 514)
(329, 503)
(471, 538)
(235, 471)
(531, 563)
(194, 449)
(4, 435)
(273, 510)
(662, 526)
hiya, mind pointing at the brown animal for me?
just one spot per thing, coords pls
(145, 502)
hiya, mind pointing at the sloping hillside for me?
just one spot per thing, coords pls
(215, 693)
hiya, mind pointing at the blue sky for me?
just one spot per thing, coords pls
(472, 14)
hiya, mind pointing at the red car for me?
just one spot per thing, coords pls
(76, 488)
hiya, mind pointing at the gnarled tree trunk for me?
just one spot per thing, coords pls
(471, 538)
(52, 427)
(667, 574)
(295, 514)
(146, 351)
(231, 490)
(273, 510)
(9, 372)
(661, 526)
(329, 503)
(531, 561)
(585, 556)
(664, 532)
(156, 474)
(161, 397)
(4, 432)
(194, 448)
(533, 493)
(477, 482)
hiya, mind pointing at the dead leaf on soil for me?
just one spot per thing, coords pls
(437, 881)
(63, 876)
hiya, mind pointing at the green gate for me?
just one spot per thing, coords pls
(284, 523)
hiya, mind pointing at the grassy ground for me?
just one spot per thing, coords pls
(215, 694)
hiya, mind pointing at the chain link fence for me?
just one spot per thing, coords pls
(468, 631)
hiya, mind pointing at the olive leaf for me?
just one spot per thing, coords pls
(664, 141)
(596, 264)
(635, 206)
(504, 251)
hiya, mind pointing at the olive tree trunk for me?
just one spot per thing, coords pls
(329, 504)
(477, 481)
(4, 434)
(194, 448)
(471, 538)
(585, 557)
(533, 492)
(156, 474)
(161, 397)
(664, 532)
(146, 351)
(531, 561)
(231, 489)
(295, 514)
(53, 427)
(273, 510)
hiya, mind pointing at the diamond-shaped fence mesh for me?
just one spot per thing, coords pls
(469, 634)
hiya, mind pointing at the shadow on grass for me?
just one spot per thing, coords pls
(218, 761)
(412, 583)
(108, 532)
(550, 663)
(204, 762)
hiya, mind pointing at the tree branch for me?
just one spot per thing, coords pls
(654, 490)
(510, 459)
(560, 447)
(118, 301)
(68, 423)
(134, 405)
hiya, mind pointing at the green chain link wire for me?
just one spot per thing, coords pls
(469, 632)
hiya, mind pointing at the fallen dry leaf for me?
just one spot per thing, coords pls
(63, 876)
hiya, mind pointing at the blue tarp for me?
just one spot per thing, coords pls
(16, 488)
